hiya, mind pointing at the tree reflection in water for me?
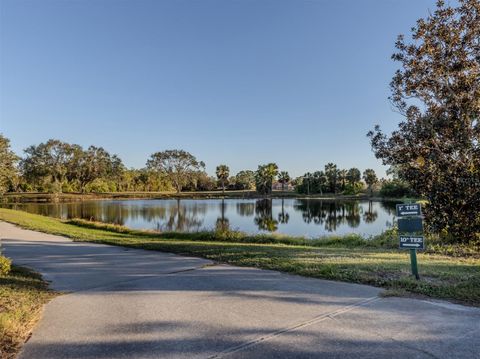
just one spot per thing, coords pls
(222, 224)
(352, 214)
(389, 207)
(370, 215)
(264, 217)
(293, 216)
(181, 219)
(330, 214)
(283, 216)
(245, 209)
(92, 211)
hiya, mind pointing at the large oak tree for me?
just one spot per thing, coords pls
(437, 147)
(179, 166)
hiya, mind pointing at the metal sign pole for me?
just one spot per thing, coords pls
(413, 262)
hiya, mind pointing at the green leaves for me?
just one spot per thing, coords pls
(8, 162)
(179, 166)
(437, 149)
(264, 177)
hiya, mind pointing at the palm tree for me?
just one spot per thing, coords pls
(331, 173)
(223, 172)
(264, 178)
(370, 179)
(353, 176)
(342, 176)
(320, 180)
(283, 178)
(308, 176)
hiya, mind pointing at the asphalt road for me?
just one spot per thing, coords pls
(125, 303)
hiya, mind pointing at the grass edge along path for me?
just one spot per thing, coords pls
(346, 258)
(23, 294)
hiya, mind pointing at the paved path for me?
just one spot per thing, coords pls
(126, 303)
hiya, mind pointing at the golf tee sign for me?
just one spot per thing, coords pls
(410, 229)
(412, 242)
(410, 209)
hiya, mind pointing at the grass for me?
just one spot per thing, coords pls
(22, 296)
(348, 258)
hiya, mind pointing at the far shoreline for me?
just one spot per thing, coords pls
(41, 197)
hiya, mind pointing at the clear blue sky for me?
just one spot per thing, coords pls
(246, 82)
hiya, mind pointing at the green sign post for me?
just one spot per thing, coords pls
(410, 228)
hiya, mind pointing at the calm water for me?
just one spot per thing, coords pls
(302, 217)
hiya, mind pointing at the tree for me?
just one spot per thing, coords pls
(311, 183)
(396, 188)
(57, 166)
(264, 178)
(148, 180)
(353, 176)
(223, 172)
(116, 172)
(245, 180)
(8, 160)
(95, 163)
(307, 179)
(342, 177)
(319, 181)
(50, 161)
(436, 149)
(205, 182)
(283, 178)
(179, 166)
(370, 178)
(332, 175)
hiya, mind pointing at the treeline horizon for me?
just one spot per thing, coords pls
(55, 166)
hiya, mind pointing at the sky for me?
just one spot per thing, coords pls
(240, 82)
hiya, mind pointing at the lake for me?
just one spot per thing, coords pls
(298, 217)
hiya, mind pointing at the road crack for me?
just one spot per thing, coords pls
(294, 327)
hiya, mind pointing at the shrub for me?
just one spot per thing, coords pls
(53, 187)
(353, 189)
(67, 187)
(5, 265)
(396, 188)
(98, 185)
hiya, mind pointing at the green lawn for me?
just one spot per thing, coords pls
(348, 258)
(22, 296)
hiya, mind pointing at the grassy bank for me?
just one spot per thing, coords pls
(70, 197)
(22, 296)
(347, 258)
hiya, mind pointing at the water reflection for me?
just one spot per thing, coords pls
(283, 216)
(246, 209)
(308, 217)
(222, 224)
(370, 215)
(264, 216)
(331, 214)
(180, 218)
